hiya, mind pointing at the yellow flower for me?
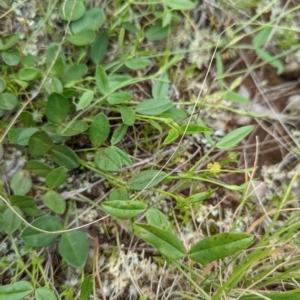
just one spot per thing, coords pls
(214, 167)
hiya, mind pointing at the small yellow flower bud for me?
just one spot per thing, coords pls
(214, 167)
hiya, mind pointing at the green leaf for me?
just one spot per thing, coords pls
(10, 40)
(86, 287)
(22, 201)
(11, 221)
(289, 295)
(24, 135)
(11, 57)
(74, 74)
(56, 178)
(131, 28)
(32, 211)
(236, 83)
(8, 101)
(74, 248)
(119, 81)
(21, 182)
(123, 209)
(72, 128)
(85, 100)
(57, 108)
(261, 37)
(27, 119)
(160, 88)
(14, 133)
(270, 59)
(200, 197)
(2, 84)
(174, 113)
(55, 202)
(139, 181)
(71, 10)
(138, 63)
(121, 43)
(219, 246)
(118, 134)
(92, 20)
(231, 139)
(102, 81)
(157, 32)
(35, 238)
(108, 159)
(153, 107)
(54, 53)
(82, 38)
(71, 93)
(119, 194)
(28, 74)
(38, 168)
(28, 60)
(157, 218)
(58, 67)
(99, 130)
(64, 156)
(167, 18)
(15, 291)
(53, 85)
(128, 115)
(55, 59)
(180, 4)
(236, 97)
(125, 159)
(155, 125)
(44, 293)
(99, 48)
(39, 143)
(163, 240)
(194, 129)
(119, 98)
(172, 136)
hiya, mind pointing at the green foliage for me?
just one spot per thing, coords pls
(71, 10)
(99, 130)
(16, 291)
(258, 41)
(157, 218)
(35, 238)
(153, 107)
(57, 108)
(163, 240)
(11, 221)
(110, 94)
(21, 182)
(146, 179)
(55, 202)
(99, 47)
(123, 209)
(86, 287)
(44, 293)
(74, 248)
(219, 246)
(108, 159)
(234, 137)
(8, 101)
